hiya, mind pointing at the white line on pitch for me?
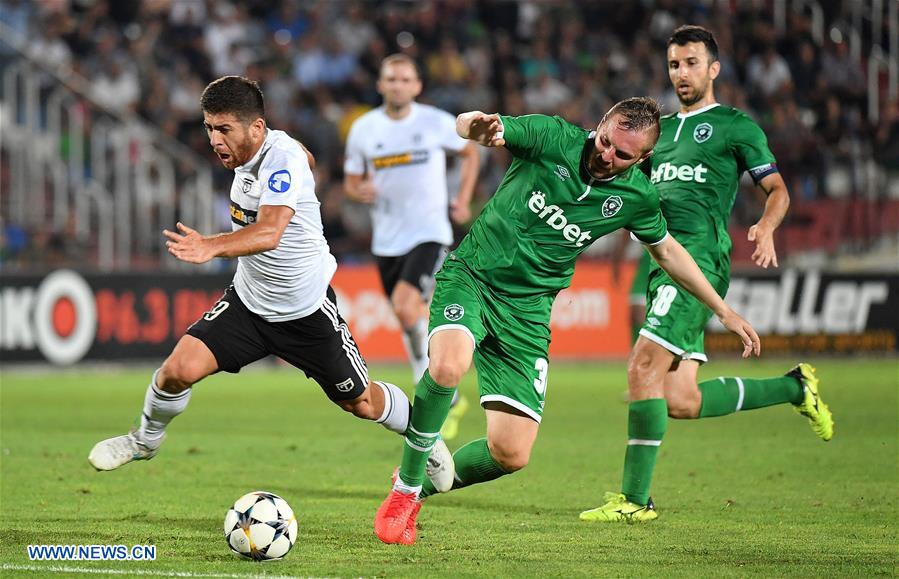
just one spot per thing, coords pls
(93, 571)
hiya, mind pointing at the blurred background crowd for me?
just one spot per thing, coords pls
(317, 62)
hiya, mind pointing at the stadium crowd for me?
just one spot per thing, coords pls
(318, 61)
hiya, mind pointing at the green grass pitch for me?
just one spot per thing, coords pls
(756, 494)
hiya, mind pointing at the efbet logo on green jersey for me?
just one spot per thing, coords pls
(669, 172)
(554, 216)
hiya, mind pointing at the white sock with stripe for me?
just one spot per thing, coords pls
(160, 407)
(396, 408)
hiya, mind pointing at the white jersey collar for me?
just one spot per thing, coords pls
(413, 110)
(697, 111)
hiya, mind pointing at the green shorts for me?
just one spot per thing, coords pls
(641, 278)
(511, 352)
(674, 318)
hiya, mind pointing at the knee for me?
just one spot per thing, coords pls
(446, 372)
(178, 374)
(510, 457)
(684, 405)
(408, 314)
(639, 369)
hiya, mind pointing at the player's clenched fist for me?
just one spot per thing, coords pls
(481, 128)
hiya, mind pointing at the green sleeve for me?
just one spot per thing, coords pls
(648, 225)
(750, 147)
(529, 136)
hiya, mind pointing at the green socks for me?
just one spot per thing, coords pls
(474, 464)
(646, 424)
(648, 420)
(723, 396)
(432, 404)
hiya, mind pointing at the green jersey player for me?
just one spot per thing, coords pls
(566, 187)
(701, 153)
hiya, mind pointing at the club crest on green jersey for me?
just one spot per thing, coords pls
(611, 206)
(702, 132)
(453, 312)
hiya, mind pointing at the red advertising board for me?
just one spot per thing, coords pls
(65, 316)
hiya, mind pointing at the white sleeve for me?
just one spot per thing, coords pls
(449, 139)
(354, 160)
(281, 176)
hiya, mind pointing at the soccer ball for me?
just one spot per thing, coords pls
(260, 526)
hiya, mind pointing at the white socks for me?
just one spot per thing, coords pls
(396, 408)
(416, 341)
(402, 487)
(159, 409)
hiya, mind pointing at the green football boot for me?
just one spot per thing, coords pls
(812, 407)
(618, 508)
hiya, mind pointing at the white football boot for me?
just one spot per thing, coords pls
(441, 469)
(113, 452)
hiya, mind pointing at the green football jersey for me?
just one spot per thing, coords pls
(696, 167)
(548, 210)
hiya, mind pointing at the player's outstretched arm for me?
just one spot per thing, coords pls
(762, 233)
(265, 234)
(460, 207)
(481, 128)
(674, 259)
(359, 188)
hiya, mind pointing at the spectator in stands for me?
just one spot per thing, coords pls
(842, 74)
(767, 73)
(318, 61)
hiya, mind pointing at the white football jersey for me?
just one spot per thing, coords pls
(290, 281)
(406, 159)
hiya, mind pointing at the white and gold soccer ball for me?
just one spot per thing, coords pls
(260, 526)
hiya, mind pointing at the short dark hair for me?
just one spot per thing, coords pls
(400, 58)
(237, 95)
(692, 33)
(637, 114)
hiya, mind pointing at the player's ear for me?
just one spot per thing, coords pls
(257, 127)
(714, 69)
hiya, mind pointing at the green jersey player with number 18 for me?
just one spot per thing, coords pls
(701, 153)
(566, 188)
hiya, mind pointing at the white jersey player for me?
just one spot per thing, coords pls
(396, 160)
(280, 302)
